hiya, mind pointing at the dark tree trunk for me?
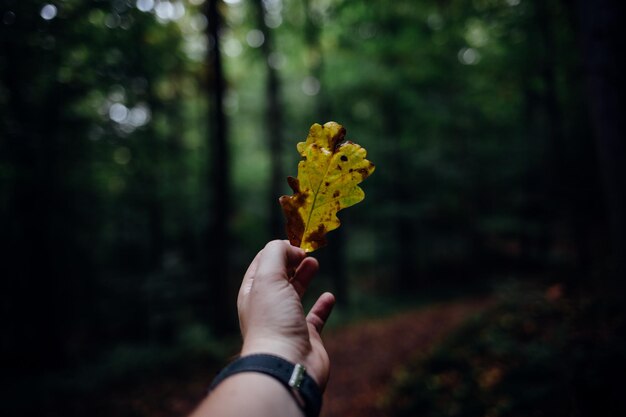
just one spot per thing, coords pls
(553, 163)
(602, 32)
(150, 178)
(273, 126)
(218, 237)
(402, 225)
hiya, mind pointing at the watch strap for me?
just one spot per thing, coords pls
(293, 376)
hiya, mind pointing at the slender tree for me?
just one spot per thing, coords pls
(602, 32)
(273, 124)
(218, 236)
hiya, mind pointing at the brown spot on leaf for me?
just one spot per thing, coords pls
(344, 158)
(337, 138)
(317, 237)
(365, 172)
(295, 223)
(336, 194)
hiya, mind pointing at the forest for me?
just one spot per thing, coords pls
(144, 145)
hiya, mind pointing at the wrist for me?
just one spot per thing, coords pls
(288, 351)
(249, 394)
(283, 349)
(292, 376)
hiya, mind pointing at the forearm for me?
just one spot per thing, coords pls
(249, 394)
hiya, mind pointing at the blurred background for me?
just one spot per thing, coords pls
(144, 145)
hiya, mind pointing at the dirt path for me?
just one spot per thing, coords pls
(365, 355)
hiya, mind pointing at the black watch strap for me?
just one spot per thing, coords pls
(293, 377)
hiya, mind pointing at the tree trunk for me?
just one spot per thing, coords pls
(273, 126)
(601, 33)
(218, 237)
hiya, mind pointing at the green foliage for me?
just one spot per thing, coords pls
(455, 103)
(99, 173)
(535, 353)
(478, 107)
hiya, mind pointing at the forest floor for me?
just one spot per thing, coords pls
(365, 355)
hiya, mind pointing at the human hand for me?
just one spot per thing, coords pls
(271, 315)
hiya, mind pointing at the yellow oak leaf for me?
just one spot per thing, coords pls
(328, 175)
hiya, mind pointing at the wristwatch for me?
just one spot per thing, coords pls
(293, 376)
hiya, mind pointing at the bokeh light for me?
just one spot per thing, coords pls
(311, 86)
(48, 12)
(145, 5)
(276, 60)
(232, 47)
(255, 38)
(468, 56)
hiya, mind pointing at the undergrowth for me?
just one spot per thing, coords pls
(538, 352)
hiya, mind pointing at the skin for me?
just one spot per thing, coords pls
(272, 320)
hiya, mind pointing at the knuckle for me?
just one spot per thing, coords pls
(275, 244)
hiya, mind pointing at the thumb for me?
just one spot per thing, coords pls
(321, 311)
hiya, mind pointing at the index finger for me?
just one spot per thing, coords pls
(248, 278)
(279, 258)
